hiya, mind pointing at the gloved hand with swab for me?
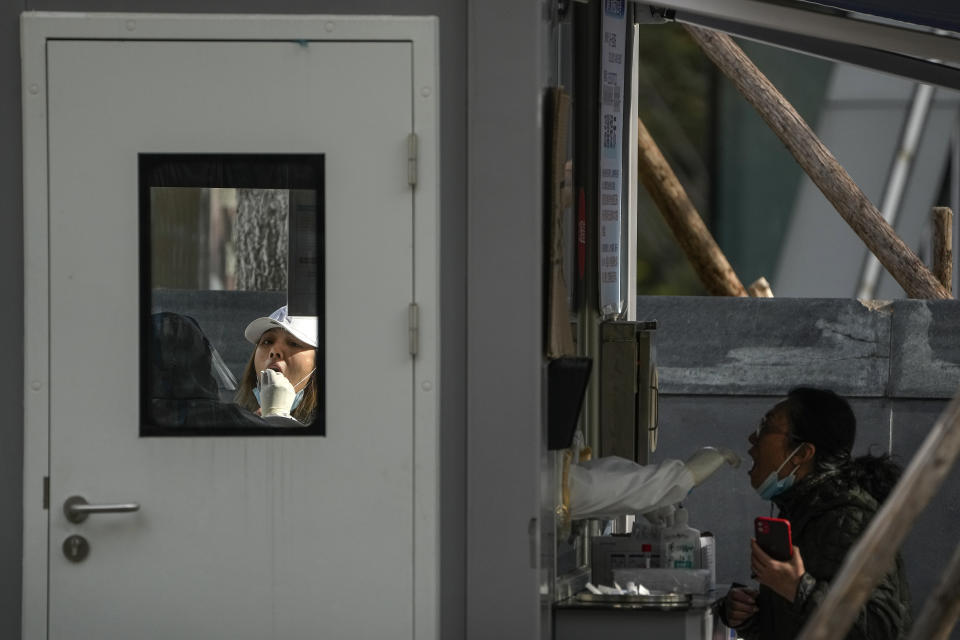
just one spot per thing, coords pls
(705, 462)
(276, 393)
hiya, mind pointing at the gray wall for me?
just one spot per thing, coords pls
(11, 323)
(724, 362)
(504, 344)
(453, 87)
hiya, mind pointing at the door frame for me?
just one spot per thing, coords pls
(423, 33)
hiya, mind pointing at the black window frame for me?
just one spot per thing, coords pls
(242, 171)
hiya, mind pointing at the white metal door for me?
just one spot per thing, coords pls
(237, 537)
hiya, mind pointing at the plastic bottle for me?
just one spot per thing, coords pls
(647, 535)
(680, 544)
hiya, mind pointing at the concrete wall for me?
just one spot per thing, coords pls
(724, 362)
(453, 87)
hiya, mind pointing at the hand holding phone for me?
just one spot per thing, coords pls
(773, 536)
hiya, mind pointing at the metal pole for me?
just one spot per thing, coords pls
(897, 180)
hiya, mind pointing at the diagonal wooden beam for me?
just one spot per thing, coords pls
(705, 256)
(824, 169)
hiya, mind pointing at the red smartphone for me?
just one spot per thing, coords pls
(773, 536)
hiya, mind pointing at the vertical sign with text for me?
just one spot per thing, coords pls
(612, 81)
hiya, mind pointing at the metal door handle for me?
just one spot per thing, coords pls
(76, 508)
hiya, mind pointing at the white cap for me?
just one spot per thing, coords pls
(302, 327)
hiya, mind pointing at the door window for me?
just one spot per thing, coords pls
(231, 294)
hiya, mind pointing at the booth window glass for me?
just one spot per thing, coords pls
(232, 284)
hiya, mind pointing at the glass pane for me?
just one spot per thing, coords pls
(231, 294)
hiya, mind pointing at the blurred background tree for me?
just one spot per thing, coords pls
(733, 167)
(675, 103)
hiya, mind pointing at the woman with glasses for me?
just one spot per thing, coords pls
(802, 463)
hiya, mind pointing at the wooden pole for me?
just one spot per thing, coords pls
(825, 171)
(943, 246)
(711, 266)
(760, 288)
(873, 555)
(940, 612)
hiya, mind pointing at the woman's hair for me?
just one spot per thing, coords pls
(878, 475)
(824, 419)
(248, 381)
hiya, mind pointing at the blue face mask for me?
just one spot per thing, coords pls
(774, 485)
(296, 399)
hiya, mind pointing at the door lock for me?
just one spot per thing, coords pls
(76, 548)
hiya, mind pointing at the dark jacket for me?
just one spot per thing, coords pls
(828, 511)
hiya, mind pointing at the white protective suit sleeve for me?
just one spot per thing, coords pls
(610, 487)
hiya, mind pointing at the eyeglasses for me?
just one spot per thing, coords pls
(763, 429)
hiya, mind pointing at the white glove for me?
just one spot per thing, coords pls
(276, 394)
(707, 460)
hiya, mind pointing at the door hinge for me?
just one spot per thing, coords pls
(46, 492)
(413, 319)
(533, 535)
(412, 159)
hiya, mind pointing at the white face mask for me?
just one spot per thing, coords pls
(296, 399)
(774, 485)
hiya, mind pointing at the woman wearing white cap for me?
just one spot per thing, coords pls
(279, 378)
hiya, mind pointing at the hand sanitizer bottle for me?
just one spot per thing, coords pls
(680, 544)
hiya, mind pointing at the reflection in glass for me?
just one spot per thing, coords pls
(226, 239)
(187, 376)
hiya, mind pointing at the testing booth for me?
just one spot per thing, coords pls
(437, 212)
